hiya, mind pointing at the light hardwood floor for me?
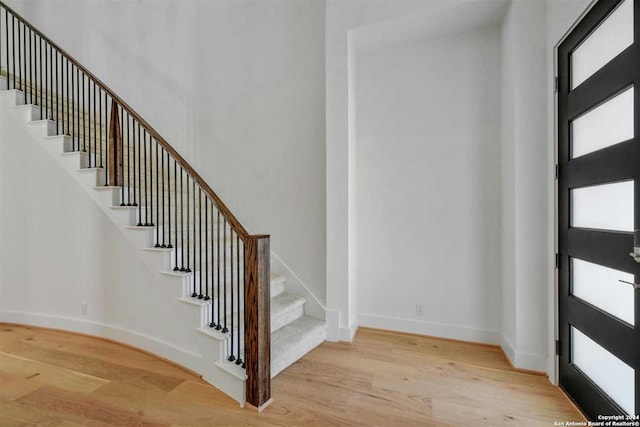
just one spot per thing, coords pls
(55, 378)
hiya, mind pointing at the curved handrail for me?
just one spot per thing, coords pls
(224, 210)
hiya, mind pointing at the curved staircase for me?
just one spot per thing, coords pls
(172, 227)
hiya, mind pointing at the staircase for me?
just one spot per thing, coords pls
(221, 272)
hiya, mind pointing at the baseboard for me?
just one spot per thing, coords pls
(333, 325)
(182, 357)
(313, 306)
(347, 334)
(522, 361)
(429, 328)
(507, 349)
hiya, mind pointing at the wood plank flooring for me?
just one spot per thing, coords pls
(55, 378)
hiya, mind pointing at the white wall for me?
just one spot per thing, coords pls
(60, 250)
(351, 25)
(428, 185)
(236, 87)
(525, 198)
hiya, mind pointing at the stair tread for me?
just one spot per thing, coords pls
(293, 341)
(285, 302)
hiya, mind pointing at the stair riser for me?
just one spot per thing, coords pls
(286, 317)
(11, 98)
(43, 128)
(90, 177)
(59, 144)
(123, 217)
(75, 161)
(29, 112)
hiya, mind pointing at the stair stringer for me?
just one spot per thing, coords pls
(212, 345)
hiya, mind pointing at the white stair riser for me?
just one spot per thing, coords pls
(43, 128)
(29, 112)
(286, 317)
(122, 216)
(74, 161)
(11, 98)
(59, 143)
(91, 177)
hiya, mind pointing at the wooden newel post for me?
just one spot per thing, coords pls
(257, 332)
(115, 146)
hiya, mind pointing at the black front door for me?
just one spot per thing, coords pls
(599, 209)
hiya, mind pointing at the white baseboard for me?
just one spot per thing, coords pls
(333, 325)
(347, 334)
(429, 328)
(507, 347)
(161, 348)
(521, 359)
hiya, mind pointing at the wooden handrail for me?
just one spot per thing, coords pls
(224, 210)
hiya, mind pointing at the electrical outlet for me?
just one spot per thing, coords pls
(419, 310)
(83, 308)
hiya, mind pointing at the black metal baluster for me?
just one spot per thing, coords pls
(45, 89)
(50, 91)
(218, 325)
(175, 217)
(187, 269)
(31, 84)
(84, 121)
(20, 82)
(87, 113)
(6, 42)
(224, 272)
(158, 222)
(131, 147)
(139, 171)
(77, 107)
(181, 268)
(146, 176)
(95, 126)
(151, 223)
(13, 50)
(244, 290)
(24, 59)
(121, 168)
(157, 201)
(57, 93)
(195, 242)
(206, 248)
(200, 295)
(212, 324)
(231, 357)
(22, 54)
(140, 223)
(33, 71)
(129, 168)
(181, 225)
(102, 153)
(106, 137)
(66, 77)
(46, 83)
(73, 113)
(169, 245)
(239, 295)
(164, 224)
